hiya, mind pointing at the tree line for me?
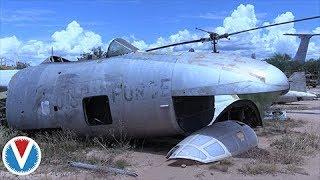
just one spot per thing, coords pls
(285, 63)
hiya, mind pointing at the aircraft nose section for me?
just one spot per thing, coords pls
(204, 74)
(251, 77)
(276, 78)
(267, 76)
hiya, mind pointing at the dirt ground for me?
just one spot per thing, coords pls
(149, 162)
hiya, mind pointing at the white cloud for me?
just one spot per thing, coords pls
(242, 18)
(9, 45)
(275, 41)
(314, 46)
(74, 40)
(180, 36)
(317, 30)
(261, 42)
(69, 42)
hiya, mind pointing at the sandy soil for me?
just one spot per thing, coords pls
(149, 161)
(154, 166)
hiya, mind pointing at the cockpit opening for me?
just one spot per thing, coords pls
(119, 47)
(55, 59)
(97, 110)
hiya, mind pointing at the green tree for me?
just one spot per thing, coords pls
(285, 64)
(312, 66)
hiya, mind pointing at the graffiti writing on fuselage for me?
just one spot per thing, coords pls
(72, 90)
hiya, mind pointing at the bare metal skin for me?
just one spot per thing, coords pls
(140, 88)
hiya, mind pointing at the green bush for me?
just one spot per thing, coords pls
(285, 64)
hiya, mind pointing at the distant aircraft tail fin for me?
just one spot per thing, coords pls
(303, 47)
(298, 82)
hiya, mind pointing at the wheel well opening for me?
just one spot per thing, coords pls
(193, 112)
(242, 110)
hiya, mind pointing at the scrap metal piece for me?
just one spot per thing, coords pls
(102, 169)
(277, 114)
(294, 96)
(215, 142)
(298, 90)
(221, 103)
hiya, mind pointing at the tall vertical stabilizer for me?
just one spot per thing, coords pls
(303, 47)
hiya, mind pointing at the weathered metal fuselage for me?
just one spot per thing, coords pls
(139, 86)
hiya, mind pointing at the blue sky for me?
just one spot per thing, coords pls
(38, 19)
(141, 19)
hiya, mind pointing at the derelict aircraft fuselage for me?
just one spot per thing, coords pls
(146, 94)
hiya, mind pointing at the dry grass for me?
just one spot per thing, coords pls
(121, 163)
(62, 146)
(290, 147)
(278, 127)
(286, 157)
(287, 151)
(255, 168)
(293, 169)
(59, 147)
(302, 143)
(222, 165)
(200, 174)
(273, 156)
(5, 135)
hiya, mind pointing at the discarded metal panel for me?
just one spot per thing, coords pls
(276, 115)
(222, 102)
(215, 142)
(294, 96)
(298, 90)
